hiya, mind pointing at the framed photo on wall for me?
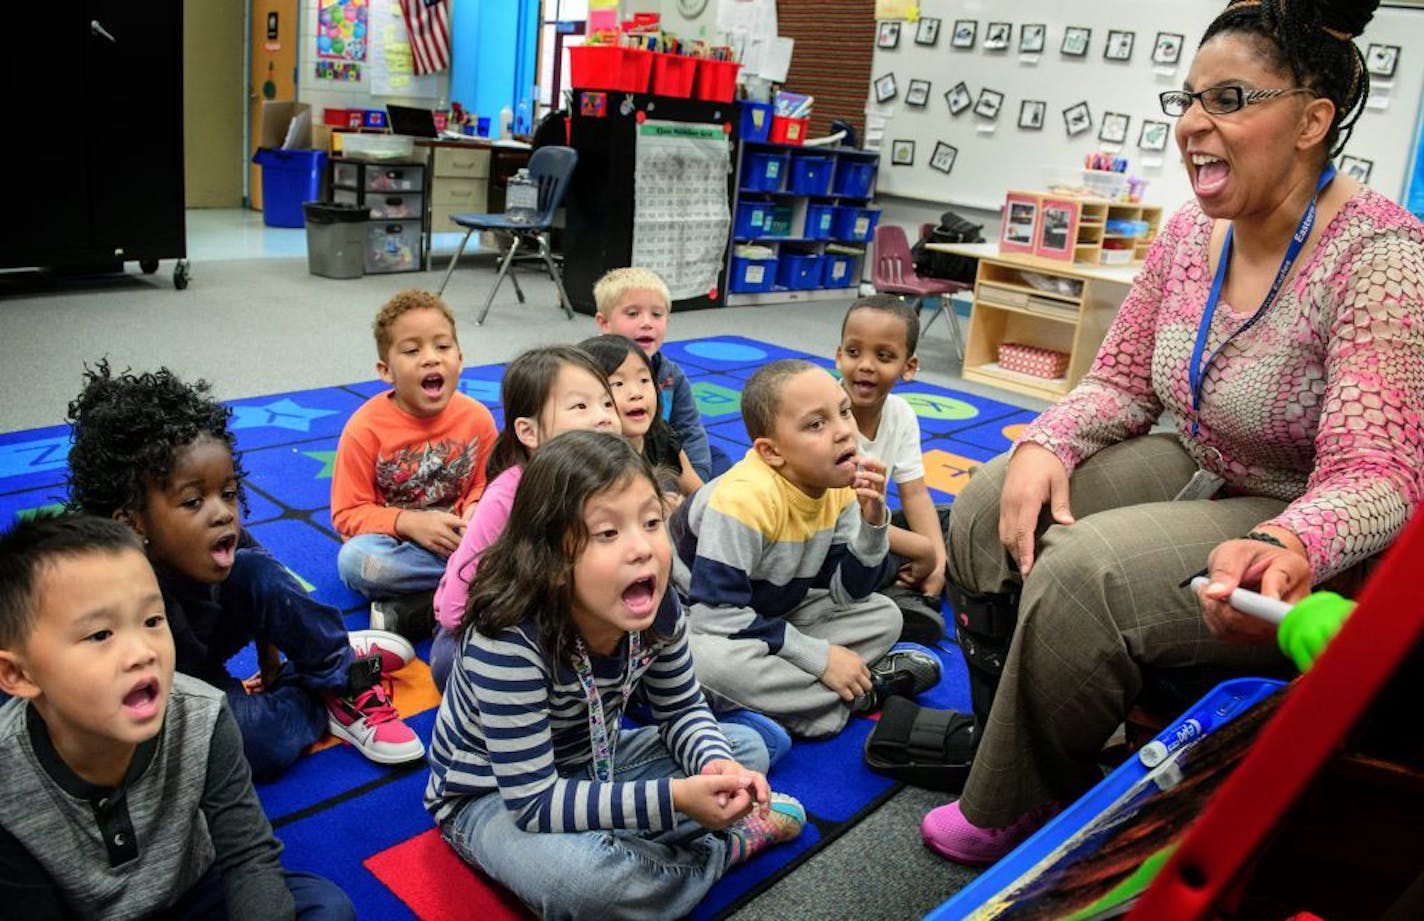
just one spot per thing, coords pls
(990, 101)
(1167, 49)
(964, 32)
(1020, 231)
(1154, 135)
(1114, 128)
(927, 32)
(1031, 113)
(1356, 168)
(885, 88)
(1075, 41)
(902, 153)
(958, 98)
(1077, 118)
(1119, 46)
(1381, 60)
(1031, 37)
(889, 36)
(918, 95)
(1057, 229)
(943, 157)
(996, 36)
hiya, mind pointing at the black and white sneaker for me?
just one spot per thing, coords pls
(411, 616)
(906, 670)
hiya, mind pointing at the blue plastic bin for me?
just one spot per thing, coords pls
(799, 271)
(753, 219)
(755, 121)
(810, 175)
(820, 222)
(751, 276)
(854, 177)
(764, 172)
(289, 177)
(855, 225)
(839, 271)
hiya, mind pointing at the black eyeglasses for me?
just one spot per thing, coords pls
(1220, 100)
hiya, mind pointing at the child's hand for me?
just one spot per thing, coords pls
(438, 532)
(752, 780)
(923, 574)
(712, 800)
(869, 486)
(845, 673)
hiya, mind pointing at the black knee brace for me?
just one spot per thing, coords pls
(984, 625)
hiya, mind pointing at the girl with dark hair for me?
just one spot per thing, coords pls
(1278, 319)
(532, 779)
(544, 391)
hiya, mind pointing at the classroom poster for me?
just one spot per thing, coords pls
(392, 65)
(341, 30)
(680, 215)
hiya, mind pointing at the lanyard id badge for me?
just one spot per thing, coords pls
(603, 743)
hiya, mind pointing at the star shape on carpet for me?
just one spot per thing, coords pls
(285, 413)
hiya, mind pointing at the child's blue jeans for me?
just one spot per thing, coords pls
(603, 874)
(380, 566)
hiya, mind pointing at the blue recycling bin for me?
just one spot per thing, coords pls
(289, 177)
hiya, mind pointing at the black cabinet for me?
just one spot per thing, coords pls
(93, 147)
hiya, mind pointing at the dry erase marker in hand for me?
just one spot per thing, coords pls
(1272, 610)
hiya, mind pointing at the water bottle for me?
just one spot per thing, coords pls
(506, 119)
(521, 122)
(521, 198)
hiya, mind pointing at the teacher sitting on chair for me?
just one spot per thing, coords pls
(1279, 319)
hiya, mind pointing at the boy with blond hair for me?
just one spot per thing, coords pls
(410, 466)
(635, 302)
(780, 557)
(126, 793)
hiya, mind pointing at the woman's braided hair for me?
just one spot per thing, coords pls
(1313, 41)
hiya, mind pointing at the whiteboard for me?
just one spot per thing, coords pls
(994, 155)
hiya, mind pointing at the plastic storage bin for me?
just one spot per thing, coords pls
(1105, 183)
(394, 205)
(764, 172)
(755, 121)
(820, 222)
(855, 224)
(799, 271)
(787, 130)
(289, 177)
(392, 246)
(395, 178)
(751, 276)
(753, 218)
(854, 177)
(810, 175)
(716, 80)
(839, 271)
(342, 118)
(780, 223)
(336, 237)
(673, 75)
(609, 67)
(345, 174)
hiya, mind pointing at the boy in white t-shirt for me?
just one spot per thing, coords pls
(878, 339)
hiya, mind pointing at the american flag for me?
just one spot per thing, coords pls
(428, 22)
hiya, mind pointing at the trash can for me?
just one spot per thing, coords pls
(289, 178)
(336, 239)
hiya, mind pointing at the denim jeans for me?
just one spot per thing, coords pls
(601, 874)
(316, 899)
(380, 566)
(276, 725)
(444, 650)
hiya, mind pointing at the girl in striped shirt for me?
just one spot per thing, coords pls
(531, 778)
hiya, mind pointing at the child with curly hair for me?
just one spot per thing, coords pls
(158, 455)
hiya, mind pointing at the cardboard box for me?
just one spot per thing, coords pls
(286, 124)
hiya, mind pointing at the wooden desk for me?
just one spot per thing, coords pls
(1071, 318)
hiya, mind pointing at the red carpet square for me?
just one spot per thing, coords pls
(436, 884)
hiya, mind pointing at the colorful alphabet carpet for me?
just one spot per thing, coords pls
(362, 824)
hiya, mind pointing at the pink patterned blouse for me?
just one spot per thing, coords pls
(1318, 404)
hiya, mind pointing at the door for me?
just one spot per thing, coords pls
(273, 53)
(214, 102)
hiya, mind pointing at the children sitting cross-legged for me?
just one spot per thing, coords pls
(544, 391)
(159, 455)
(532, 779)
(878, 339)
(630, 378)
(780, 557)
(126, 793)
(410, 466)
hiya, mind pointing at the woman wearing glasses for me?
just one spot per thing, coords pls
(1278, 320)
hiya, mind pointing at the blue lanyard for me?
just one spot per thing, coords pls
(1197, 372)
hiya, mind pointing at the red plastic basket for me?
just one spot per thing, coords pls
(716, 80)
(673, 75)
(609, 67)
(787, 130)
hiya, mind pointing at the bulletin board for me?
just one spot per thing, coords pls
(972, 157)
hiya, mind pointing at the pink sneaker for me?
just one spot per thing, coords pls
(395, 650)
(948, 833)
(370, 722)
(778, 821)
